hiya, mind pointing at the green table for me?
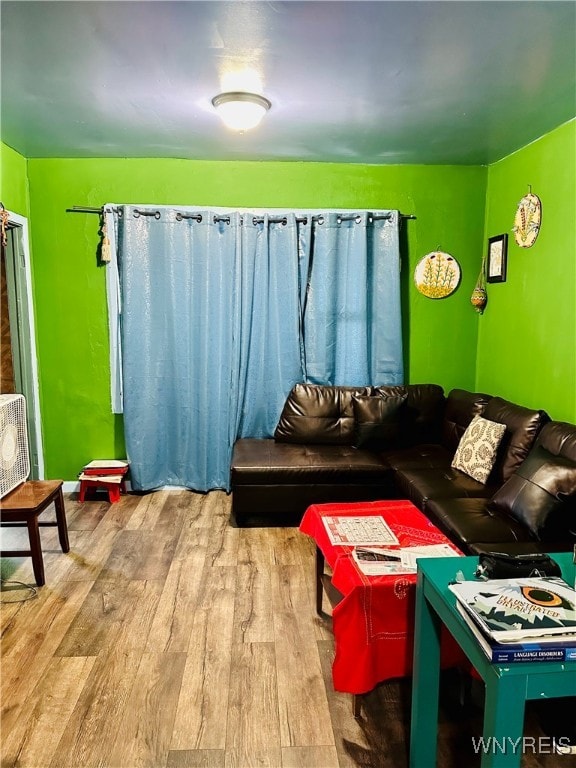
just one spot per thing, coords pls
(507, 687)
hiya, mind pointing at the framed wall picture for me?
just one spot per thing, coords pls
(496, 262)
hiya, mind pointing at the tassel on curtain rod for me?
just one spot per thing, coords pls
(255, 220)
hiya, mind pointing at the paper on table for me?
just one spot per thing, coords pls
(385, 561)
(378, 561)
(411, 554)
(357, 530)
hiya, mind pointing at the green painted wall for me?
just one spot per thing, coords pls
(440, 336)
(527, 336)
(13, 180)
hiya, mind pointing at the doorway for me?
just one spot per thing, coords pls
(19, 365)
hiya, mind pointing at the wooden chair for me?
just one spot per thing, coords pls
(22, 507)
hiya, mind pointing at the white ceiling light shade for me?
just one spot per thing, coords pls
(241, 111)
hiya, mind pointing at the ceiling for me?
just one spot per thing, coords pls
(357, 82)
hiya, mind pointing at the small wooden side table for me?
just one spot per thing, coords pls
(22, 507)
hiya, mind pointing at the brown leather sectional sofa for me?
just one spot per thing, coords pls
(321, 453)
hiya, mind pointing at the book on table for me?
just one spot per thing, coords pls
(513, 610)
(111, 479)
(102, 467)
(550, 648)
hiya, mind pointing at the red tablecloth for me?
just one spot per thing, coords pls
(374, 623)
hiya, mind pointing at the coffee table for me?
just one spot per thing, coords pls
(372, 615)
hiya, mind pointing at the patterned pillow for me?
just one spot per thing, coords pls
(476, 452)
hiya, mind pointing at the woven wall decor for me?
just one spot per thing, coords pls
(437, 275)
(527, 220)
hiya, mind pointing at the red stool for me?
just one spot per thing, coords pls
(113, 488)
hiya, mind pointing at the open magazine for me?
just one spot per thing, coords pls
(387, 561)
(509, 610)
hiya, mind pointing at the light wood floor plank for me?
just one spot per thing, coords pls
(253, 615)
(86, 516)
(8, 610)
(40, 625)
(147, 511)
(253, 699)
(203, 705)
(43, 715)
(99, 620)
(257, 546)
(196, 758)
(300, 682)
(272, 758)
(350, 737)
(171, 630)
(87, 555)
(92, 728)
(145, 727)
(304, 757)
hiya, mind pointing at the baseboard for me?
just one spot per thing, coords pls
(73, 486)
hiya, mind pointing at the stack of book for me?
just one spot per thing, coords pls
(520, 620)
(105, 470)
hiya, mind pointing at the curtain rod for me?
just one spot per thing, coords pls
(198, 217)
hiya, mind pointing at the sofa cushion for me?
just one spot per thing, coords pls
(264, 461)
(469, 520)
(422, 413)
(421, 485)
(476, 452)
(377, 421)
(461, 407)
(426, 456)
(315, 414)
(522, 427)
(541, 494)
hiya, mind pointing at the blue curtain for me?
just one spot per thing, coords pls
(210, 340)
(352, 318)
(221, 315)
(267, 313)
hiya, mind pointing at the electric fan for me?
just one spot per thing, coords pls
(14, 459)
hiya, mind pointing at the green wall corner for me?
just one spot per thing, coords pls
(527, 335)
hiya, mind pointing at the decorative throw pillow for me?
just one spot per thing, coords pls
(377, 421)
(476, 452)
(541, 494)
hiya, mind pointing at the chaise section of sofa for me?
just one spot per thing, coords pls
(422, 484)
(313, 456)
(273, 483)
(534, 510)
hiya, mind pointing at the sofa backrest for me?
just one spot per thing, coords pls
(559, 438)
(541, 493)
(320, 414)
(461, 407)
(317, 414)
(522, 428)
(422, 413)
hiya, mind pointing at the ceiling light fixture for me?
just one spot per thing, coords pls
(241, 111)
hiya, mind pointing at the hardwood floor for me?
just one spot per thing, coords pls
(168, 638)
